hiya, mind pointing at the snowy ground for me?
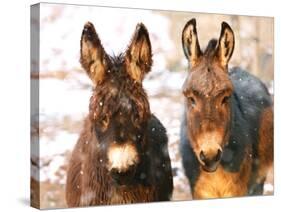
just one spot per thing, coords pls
(65, 89)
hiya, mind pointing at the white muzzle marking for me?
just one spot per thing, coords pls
(122, 156)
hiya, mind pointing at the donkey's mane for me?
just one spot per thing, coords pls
(211, 47)
(117, 59)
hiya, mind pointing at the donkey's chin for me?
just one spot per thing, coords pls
(124, 177)
(210, 168)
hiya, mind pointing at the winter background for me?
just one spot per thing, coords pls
(65, 89)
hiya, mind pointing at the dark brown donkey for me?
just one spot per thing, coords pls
(227, 128)
(121, 155)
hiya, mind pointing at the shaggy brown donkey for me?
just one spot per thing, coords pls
(121, 155)
(227, 127)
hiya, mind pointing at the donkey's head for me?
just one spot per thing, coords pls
(119, 107)
(207, 92)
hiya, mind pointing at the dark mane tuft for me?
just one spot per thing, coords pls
(117, 59)
(211, 47)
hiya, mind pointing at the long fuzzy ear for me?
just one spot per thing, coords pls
(93, 58)
(138, 55)
(190, 43)
(226, 44)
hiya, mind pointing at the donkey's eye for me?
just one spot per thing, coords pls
(191, 101)
(225, 100)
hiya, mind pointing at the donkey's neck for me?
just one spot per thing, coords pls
(132, 194)
(236, 147)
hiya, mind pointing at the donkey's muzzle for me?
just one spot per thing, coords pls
(210, 162)
(123, 177)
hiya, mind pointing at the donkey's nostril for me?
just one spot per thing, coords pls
(202, 156)
(218, 156)
(114, 171)
(116, 174)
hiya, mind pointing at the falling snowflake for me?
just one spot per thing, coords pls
(143, 176)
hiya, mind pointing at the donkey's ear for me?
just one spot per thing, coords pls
(138, 56)
(226, 44)
(190, 43)
(93, 58)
